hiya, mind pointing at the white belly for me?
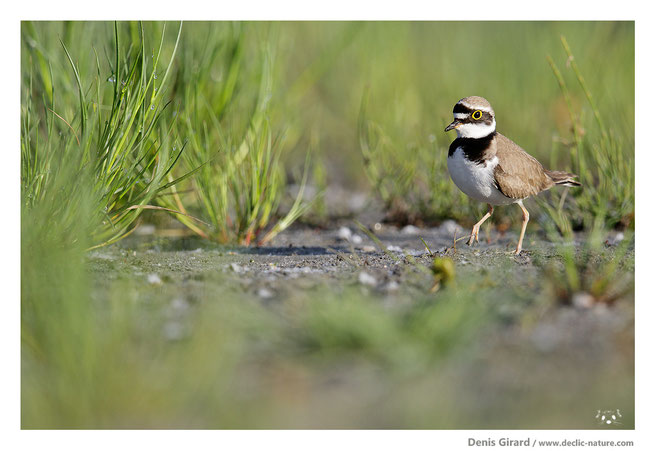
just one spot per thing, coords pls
(476, 180)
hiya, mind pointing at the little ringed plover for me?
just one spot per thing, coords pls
(491, 168)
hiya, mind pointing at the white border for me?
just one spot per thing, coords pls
(334, 10)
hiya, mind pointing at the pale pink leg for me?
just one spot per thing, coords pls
(477, 226)
(525, 218)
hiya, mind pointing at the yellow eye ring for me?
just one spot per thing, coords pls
(477, 114)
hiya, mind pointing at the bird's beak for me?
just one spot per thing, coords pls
(452, 125)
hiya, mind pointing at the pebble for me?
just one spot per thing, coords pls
(583, 300)
(367, 279)
(392, 285)
(265, 293)
(154, 279)
(449, 227)
(344, 233)
(410, 230)
(238, 268)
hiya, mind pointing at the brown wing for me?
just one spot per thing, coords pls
(518, 175)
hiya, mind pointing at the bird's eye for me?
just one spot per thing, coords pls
(477, 114)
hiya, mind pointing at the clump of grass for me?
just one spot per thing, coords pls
(591, 274)
(239, 181)
(598, 155)
(103, 134)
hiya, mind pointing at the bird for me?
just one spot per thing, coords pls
(491, 168)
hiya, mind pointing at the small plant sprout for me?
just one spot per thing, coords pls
(444, 272)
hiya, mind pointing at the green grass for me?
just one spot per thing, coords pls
(103, 133)
(598, 155)
(154, 120)
(240, 182)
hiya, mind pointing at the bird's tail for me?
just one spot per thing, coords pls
(563, 178)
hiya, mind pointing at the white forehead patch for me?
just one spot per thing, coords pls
(474, 107)
(460, 115)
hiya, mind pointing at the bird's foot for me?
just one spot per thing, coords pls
(521, 257)
(473, 237)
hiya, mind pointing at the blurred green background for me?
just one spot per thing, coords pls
(413, 74)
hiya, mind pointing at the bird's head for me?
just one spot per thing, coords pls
(473, 117)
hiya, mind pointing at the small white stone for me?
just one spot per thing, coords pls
(583, 300)
(449, 227)
(265, 293)
(393, 248)
(367, 279)
(392, 285)
(410, 230)
(154, 279)
(356, 239)
(344, 233)
(238, 268)
(368, 248)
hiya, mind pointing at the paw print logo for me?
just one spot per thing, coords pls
(608, 417)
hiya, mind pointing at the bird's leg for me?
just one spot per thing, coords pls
(525, 217)
(477, 226)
